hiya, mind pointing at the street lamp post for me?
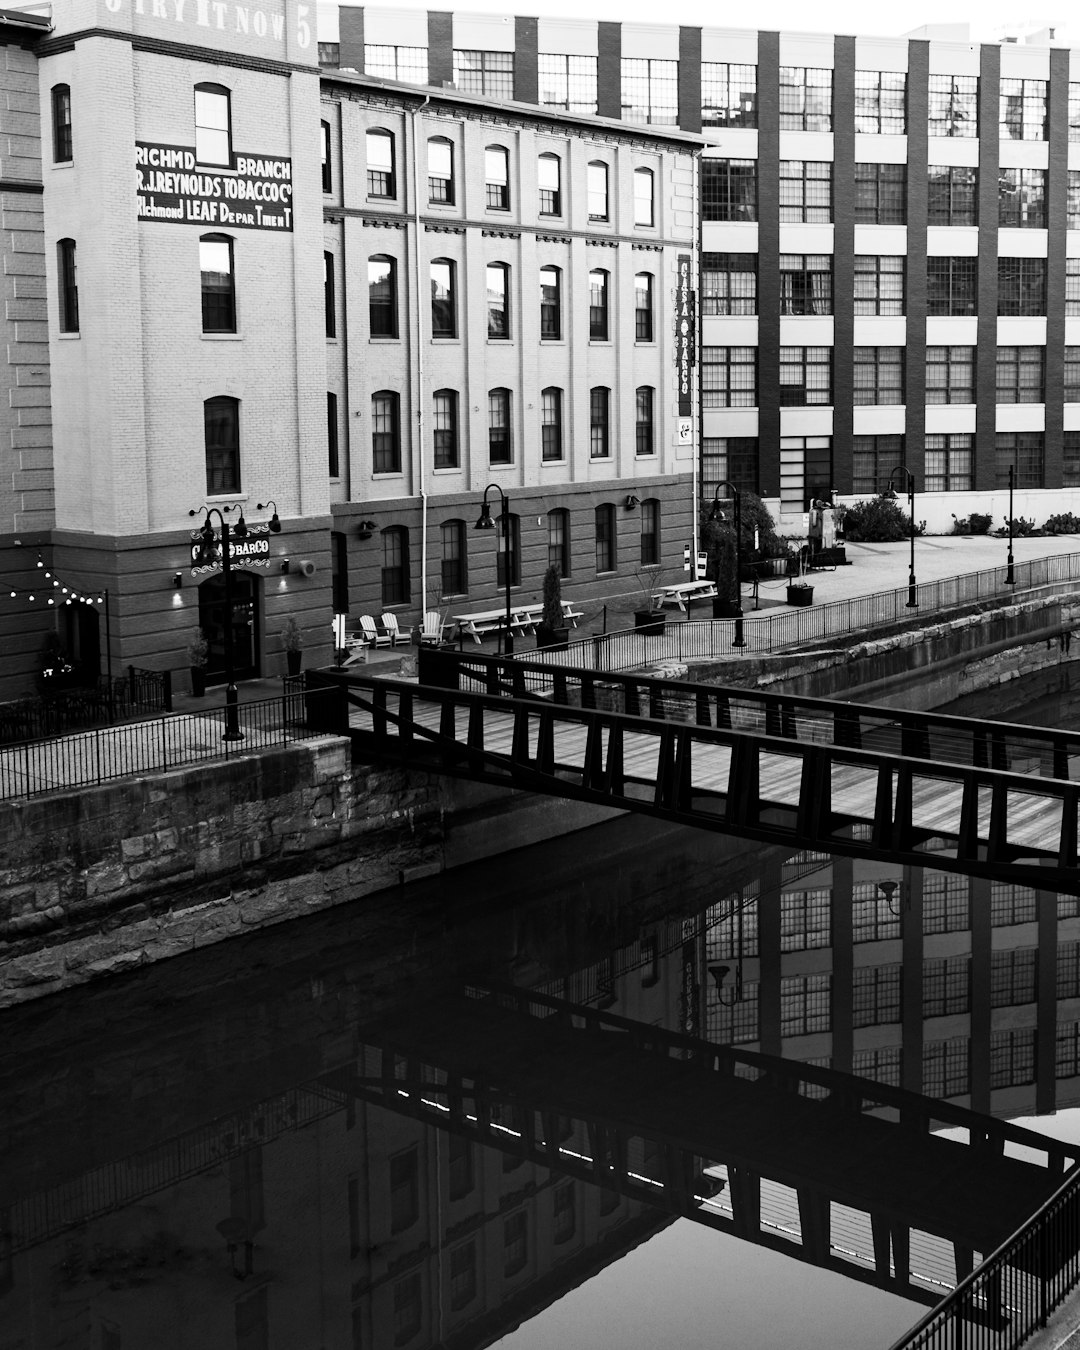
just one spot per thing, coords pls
(1010, 575)
(717, 514)
(912, 589)
(486, 523)
(232, 730)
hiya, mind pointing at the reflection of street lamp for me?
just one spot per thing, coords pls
(888, 889)
(717, 514)
(1010, 576)
(719, 972)
(486, 523)
(236, 1231)
(912, 592)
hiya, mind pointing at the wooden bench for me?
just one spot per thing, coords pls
(682, 592)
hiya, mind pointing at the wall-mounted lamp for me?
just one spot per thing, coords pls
(365, 528)
(178, 580)
(275, 523)
(284, 567)
(632, 502)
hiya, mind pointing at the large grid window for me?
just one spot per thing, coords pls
(1022, 198)
(729, 377)
(949, 466)
(453, 566)
(558, 550)
(952, 285)
(946, 903)
(221, 435)
(728, 95)
(1074, 112)
(1072, 286)
(551, 433)
(873, 459)
(650, 91)
(1021, 286)
(498, 300)
(380, 163)
(487, 73)
(881, 102)
(497, 177)
(649, 538)
(61, 123)
(407, 64)
(549, 184)
(804, 1005)
(1011, 904)
(599, 422)
(385, 432)
(643, 307)
(804, 919)
(954, 105)
(805, 470)
(1024, 451)
(1072, 374)
(871, 918)
(729, 283)
(950, 374)
(213, 125)
(396, 581)
(440, 171)
(880, 194)
(729, 189)
(879, 283)
(946, 986)
(604, 518)
(443, 298)
(953, 197)
(875, 995)
(1068, 970)
(732, 926)
(879, 375)
(500, 440)
(382, 297)
(737, 1024)
(1072, 200)
(550, 304)
(1020, 374)
(946, 1067)
(444, 415)
(1012, 977)
(597, 190)
(1022, 110)
(1070, 459)
(805, 99)
(1012, 1057)
(805, 376)
(567, 82)
(731, 459)
(806, 191)
(806, 283)
(218, 284)
(644, 420)
(598, 305)
(881, 1065)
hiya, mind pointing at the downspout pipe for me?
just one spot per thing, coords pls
(418, 360)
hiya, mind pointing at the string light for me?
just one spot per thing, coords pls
(73, 596)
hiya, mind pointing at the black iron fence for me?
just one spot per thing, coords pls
(59, 710)
(154, 745)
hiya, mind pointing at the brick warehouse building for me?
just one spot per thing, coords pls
(930, 317)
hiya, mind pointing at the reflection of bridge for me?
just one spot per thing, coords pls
(982, 798)
(831, 1169)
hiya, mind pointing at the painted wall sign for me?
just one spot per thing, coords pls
(216, 15)
(252, 551)
(685, 333)
(170, 186)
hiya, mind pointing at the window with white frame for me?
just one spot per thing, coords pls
(213, 125)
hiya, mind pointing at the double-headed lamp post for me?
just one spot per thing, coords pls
(486, 523)
(717, 514)
(912, 589)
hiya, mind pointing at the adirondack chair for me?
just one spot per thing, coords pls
(371, 633)
(433, 628)
(390, 623)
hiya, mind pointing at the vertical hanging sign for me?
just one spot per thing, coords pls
(685, 330)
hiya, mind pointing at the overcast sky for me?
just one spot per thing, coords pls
(987, 20)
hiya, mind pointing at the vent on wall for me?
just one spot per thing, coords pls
(307, 568)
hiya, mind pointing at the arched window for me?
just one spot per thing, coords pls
(329, 297)
(497, 177)
(643, 307)
(61, 123)
(445, 428)
(549, 181)
(599, 422)
(644, 429)
(396, 583)
(385, 432)
(218, 285)
(551, 428)
(221, 427)
(598, 190)
(650, 532)
(550, 304)
(382, 297)
(69, 286)
(558, 522)
(498, 300)
(644, 209)
(213, 125)
(454, 574)
(598, 305)
(605, 538)
(500, 440)
(440, 171)
(443, 299)
(381, 179)
(327, 166)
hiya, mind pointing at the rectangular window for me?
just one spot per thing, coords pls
(805, 470)
(551, 440)
(951, 285)
(509, 544)
(644, 430)
(946, 986)
(443, 299)
(881, 102)
(605, 538)
(500, 444)
(213, 125)
(597, 189)
(567, 82)
(69, 286)
(1074, 112)
(950, 374)
(879, 375)
(1011, 904)
(408, 1308)
(385, 436)
(875, 995)
(333, 465)
(804, 919)
(953, 197)
(221, 431)
(409, 65)
(396, 586)
(380, 163)
(382, 298)
(1021, 286)
(805, 376)
(949, 466)
(880, 194)
(804, 1005)
(873, 459)
(558, 553)
(515, 1243)
(1020, 377)
(806, 191)
(946, 904)
(1012, 977)
(806, 283)
(954, 105)
(649, 553)
(729, 377)
(879, 283)
(565, 1223)
(550, 305)
(453, 573)
(729, 189)
(650, 91)
(549, 184)
(599, 424)
(644, 204)
(643, 307)
(498, 300)
(1022, 198)
(805, 99)
(598, 306)
(732, 459)
(1024, 451)
(329, 295)
(1012, 1057)
(487, 73)
(218, 293)
(729, 283)
(440, 172)
(404, 1190)
(946, 1067)
(1072, 201)
(1068, 970)
(1072, 286)
(1022, 110)
(728, 95)
(1070, 459)
(1072, 374)
(61, 123)
(872, 920)
(462, 1275)
(327, 162)
(445, 418)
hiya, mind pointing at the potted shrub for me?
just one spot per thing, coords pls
(800, 593)
(198, 651)
(552, 630)
(718, 541)
(292, 640)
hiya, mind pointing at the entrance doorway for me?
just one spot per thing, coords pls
(80, 640)
(214, 614)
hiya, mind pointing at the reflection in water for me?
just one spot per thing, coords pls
(194, 1159)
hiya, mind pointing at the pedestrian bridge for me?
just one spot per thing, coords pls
(982, 798)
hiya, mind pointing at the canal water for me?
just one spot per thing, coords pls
(255, 1146)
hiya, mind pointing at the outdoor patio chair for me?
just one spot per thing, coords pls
(371, 634)
(390, 623)
(433, 628)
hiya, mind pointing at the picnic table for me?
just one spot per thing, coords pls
(682, 592)
(523, 619)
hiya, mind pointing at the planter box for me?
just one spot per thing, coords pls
(724, 609)
(800, 595)
(650, 621)
(552, 637)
